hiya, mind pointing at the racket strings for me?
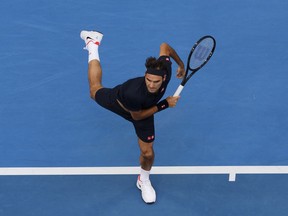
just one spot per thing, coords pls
(201, 53)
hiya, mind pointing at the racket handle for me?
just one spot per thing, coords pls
(179, 90)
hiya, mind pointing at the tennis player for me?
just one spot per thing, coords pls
(136, 100)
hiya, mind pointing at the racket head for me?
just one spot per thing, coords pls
(200, 53)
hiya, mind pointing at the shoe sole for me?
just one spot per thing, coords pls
(83, 34)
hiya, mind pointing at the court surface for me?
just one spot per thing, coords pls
(82, 159)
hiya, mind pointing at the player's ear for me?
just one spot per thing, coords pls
(164, 77)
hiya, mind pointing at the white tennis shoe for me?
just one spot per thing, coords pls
(91, 37)
(147, 191)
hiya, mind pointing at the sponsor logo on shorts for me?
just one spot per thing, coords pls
(150, 137)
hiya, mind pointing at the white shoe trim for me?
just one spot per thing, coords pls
(139, 185)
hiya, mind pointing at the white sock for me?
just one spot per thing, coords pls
(93, 52)
(144, 175)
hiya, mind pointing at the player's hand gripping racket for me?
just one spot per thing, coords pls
(199, 55)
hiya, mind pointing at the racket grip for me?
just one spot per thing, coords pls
(179, 90)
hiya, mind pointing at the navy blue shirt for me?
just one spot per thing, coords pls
(134, 95)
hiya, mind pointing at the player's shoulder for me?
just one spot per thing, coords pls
(135, 81)
(133, 85)
(164, 58)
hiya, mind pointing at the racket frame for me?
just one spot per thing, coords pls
(193, 71)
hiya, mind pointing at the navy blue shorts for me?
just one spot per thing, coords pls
(107, 98)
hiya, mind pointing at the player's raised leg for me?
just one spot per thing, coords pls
(92, 41)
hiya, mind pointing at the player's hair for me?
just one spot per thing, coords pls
(152, 63)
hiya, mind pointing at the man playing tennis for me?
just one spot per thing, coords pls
(136, 100)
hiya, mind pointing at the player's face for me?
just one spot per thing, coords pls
(153, 82)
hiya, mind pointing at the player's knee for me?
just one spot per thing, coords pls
(92, 94)
(93, 91)
(148, 153)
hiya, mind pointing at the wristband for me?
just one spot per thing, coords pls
(162, 105)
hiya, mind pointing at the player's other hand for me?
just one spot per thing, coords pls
(172, 101)
(180, 72)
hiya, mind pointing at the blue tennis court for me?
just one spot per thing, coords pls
(232, 113)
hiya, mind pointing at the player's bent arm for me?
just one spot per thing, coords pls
(142, 114)
(167, 50)
(164, 104)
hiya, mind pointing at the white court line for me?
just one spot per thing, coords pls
(232, 171)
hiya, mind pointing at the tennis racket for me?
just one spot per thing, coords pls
(199, 55)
